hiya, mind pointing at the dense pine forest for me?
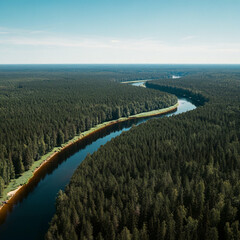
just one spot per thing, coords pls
(44, 106)
(170, 178)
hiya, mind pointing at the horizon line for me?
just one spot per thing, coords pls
(119, 64)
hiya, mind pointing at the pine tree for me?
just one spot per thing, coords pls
(19, 165)
(1, 186)
(125, 234)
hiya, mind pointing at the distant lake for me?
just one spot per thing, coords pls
(175, 76)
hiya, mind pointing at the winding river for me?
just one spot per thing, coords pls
(29, 215)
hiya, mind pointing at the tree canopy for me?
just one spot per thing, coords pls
(43, 108)
(170, 178)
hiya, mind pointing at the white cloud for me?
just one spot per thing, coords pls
(188, 38)
(115, 41)
(23, 46)
(21, 32)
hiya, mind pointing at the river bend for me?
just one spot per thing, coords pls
(28, 218)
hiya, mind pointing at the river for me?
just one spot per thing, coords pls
(28, 218)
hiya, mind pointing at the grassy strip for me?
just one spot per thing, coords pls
(154, 112)
(23, 179)
(26, 176)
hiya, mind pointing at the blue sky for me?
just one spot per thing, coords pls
(126, 31)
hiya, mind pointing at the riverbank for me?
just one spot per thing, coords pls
(136, 81)
(16, 185)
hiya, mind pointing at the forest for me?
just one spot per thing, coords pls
(42, 107)
(169, 178)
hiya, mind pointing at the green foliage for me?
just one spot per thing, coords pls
(1, 185)
(170, 178)
(40, 110)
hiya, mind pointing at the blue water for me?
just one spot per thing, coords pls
(29, 218)
(138, 84)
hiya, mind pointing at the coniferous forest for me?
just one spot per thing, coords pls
(169, 178)
(42, 107)
(119, 120)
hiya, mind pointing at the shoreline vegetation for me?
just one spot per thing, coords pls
(16, 185)
(42, 112)
(175, 178)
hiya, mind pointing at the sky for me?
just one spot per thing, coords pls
(123, 31)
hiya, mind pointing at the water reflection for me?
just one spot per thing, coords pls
(29, 212)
